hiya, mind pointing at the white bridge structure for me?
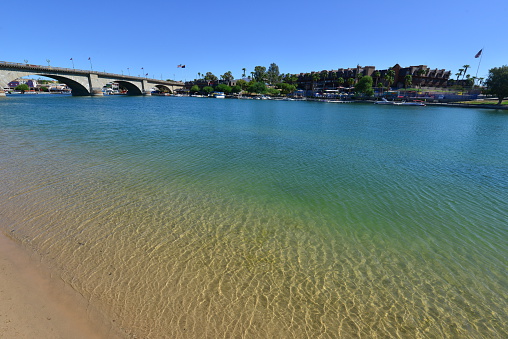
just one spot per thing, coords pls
(82, 82)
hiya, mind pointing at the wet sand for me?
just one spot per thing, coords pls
(35, 304)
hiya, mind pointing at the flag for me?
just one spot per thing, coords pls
(183, 66)
(478, 54)
(179, 66)
(88, 58)
(71, 58)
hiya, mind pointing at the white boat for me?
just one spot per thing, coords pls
(412, 103)
(219, 95)
(386, 102)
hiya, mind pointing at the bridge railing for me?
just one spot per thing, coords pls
(80, 71)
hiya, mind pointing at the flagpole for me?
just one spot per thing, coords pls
(479, 62)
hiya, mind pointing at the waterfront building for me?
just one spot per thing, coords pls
(328, 80)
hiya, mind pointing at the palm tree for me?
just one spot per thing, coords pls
(461, 70)
(323, 76)
(243, 75)
(350, 82)
(334, 77)
(408, 80)
(377, 75)
(315, 77)
(458, 75)
(465, 70)
(420, 73)
(340, 81)
(389, 78)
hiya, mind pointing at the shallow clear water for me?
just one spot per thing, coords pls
(203, 218)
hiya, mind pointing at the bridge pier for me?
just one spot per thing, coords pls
(95, 85)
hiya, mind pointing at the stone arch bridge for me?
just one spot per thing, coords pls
(83, 82)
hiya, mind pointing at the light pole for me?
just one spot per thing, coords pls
(48, 61)
(26, 61)
(91, 67)
(72, 63)
(142, 70)
(129, 70)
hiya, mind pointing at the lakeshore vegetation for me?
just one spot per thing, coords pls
(270, 81)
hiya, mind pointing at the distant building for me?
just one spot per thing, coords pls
(330, 80)
(30, 82)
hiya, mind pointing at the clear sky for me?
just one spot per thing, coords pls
(210, 36)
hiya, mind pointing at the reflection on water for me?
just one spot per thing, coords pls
(196, 218)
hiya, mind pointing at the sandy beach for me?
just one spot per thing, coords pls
(33, 304)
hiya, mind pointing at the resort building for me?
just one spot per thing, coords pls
(339, 79)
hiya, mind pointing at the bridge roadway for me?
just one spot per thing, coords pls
(84, 82)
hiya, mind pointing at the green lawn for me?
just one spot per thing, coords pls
(482, 102)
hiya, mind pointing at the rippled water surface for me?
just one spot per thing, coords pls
(205, 218)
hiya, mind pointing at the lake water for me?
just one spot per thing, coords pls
(207, 218)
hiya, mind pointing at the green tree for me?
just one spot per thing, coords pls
(22, 87)
(273, 74)
(497, 82)
(259, 74)
(350, 82)
(377, 75)
(273, 92)
(228, 76)
(408, 80)
(364, 85)
(44, 89)
(340, 81)
(223, 88)
(210, 77)
(257, 87)
(207, 89)
(236, 89)
(323, 75)
(389, 78)
(194, 89)
(314, 77)
(420, 73)
(242, 83)
(461, 70)
(286, 88)
(290, 79)
(465, 70)
(334, 78)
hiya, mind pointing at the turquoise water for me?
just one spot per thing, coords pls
(204, 218)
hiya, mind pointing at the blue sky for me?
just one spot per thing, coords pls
(299, 36)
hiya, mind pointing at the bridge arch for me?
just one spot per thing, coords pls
(131, 88)
(77, 89)
(163, 88)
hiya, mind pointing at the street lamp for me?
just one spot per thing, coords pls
(48, 61)
(26, 61)
(129, 70)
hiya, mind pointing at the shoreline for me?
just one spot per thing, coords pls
(34, 303)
